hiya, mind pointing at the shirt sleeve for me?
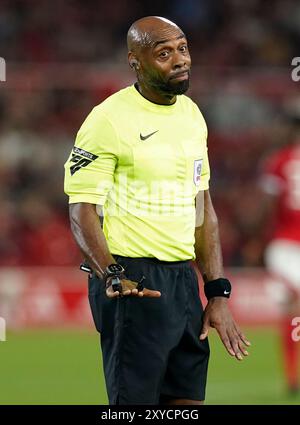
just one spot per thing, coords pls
(89, 170)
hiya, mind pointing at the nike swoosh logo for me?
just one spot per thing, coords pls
(147, 136)
(226, 292)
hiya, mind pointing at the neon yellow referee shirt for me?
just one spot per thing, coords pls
(144, 163)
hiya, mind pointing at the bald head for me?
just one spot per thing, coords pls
(159, 55)
(147, 31)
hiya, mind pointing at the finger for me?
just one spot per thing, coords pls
(129, 284)
(225, 339)
(112, 294)
(150, 293)
(242, 348)
(128, 288)
(242, 337)
(134, 293)
(234, 342)
(205, 330)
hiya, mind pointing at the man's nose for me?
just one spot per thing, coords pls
(180, 60)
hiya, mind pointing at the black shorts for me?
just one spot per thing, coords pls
(150, 346)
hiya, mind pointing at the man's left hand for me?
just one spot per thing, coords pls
(130, 288)
(217, 315)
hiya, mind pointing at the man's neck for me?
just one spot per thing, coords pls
(155, 97)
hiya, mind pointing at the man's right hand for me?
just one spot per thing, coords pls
(129, 288)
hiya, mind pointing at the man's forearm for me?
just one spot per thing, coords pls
(207, 243)
(86, 229)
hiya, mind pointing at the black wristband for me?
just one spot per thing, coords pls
(217, 288)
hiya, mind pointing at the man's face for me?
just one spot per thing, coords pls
(165, 64)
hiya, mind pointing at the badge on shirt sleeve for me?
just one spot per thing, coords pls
(197, 171)
(81, 158)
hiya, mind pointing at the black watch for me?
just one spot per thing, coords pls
(113, 270)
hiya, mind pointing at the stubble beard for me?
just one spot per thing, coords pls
(169, 87)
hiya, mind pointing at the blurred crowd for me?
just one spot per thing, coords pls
(63, 57)
(227, 32)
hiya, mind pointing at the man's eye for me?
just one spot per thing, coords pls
(183, 48)
(163, 54)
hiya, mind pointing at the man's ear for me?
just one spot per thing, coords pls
(133, 62)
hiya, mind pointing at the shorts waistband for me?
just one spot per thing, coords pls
(153, 260)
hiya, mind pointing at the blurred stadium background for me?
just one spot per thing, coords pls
(62, 58)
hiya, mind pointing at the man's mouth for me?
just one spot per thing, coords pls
(180, 76)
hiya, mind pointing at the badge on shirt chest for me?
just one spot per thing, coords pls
(197, 171)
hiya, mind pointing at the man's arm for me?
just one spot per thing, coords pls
(87, 231)
(207, 240)
(209, 259)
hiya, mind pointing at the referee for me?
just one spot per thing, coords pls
(140, 158)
